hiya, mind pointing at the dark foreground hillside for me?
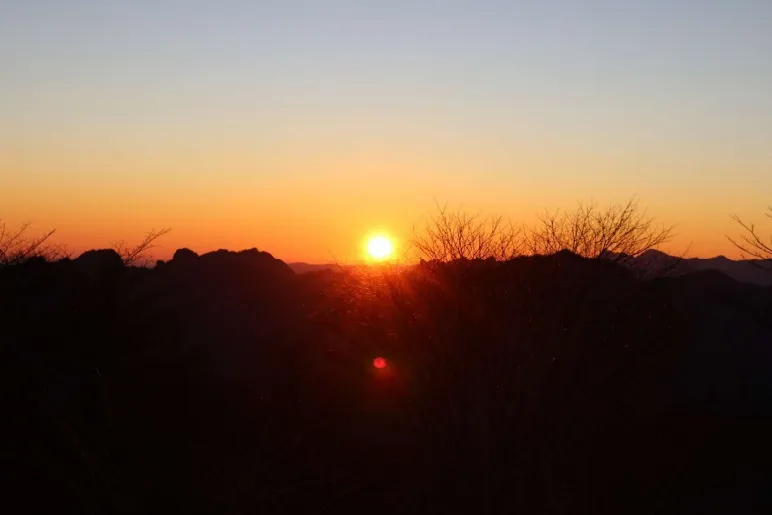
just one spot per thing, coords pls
(225, 383)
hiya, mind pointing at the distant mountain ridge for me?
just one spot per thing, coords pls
(304, 268)
(653, 262)
(754, 271)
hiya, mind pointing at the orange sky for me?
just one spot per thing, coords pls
(94, 196)
(299, 129)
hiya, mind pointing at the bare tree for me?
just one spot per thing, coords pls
(450, 235)
(17, 246)
(138, 254)
(618, 233)
(751, 243)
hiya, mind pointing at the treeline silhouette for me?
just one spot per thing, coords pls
(226, 383)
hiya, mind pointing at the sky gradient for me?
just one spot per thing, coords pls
(300, 126)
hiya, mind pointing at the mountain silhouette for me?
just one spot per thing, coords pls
(226, 382)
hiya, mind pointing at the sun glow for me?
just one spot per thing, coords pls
(379, 248)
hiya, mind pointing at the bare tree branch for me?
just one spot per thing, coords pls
(17, 247)
(451, 235)
(752, 244)
(619, 233)
(138, 254)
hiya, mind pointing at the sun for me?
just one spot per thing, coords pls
(379, 247)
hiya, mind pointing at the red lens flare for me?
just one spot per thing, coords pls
(379, 362)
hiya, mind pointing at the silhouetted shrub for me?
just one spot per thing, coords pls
(454, 235)
(619, 233)
(16, 246)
